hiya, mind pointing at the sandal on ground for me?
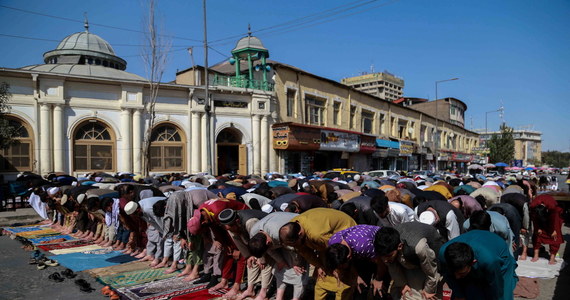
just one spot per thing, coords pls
(41, 265)
(51, 262)
(84, 286)
(68, 273)
(107, 291)
(55, 277)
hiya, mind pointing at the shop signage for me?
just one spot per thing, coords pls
(444, 156)
(461, 157)
(429, 156)
(339, 141)
(296, 138)
(367, 144)
(406, 148)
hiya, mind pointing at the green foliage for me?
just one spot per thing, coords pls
(502, 146)
(7, 132)
(556, 159)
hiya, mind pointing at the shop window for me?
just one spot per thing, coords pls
(93, 147)
(18, 156)
(166, 149)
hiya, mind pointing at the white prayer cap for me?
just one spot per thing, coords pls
(74, 183)
(80, 198)
(357, 177)
(423, 187)
(131, 207)
(267, 208)
(427, 217)
(63, 199)
(212, 180)
(53, 190)
(283, 206)
(305, 185)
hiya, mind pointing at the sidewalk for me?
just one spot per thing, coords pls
(20, 215)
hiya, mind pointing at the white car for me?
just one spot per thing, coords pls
(382, 173)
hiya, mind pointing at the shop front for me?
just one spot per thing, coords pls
(405, 157)
(306, 148)
(386, 153)
(455, 161)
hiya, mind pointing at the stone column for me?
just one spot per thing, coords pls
(125, 162)
(204, 144)
(45, 139)
(58, 139)
(273, 156)
(195, 152)
(256, 145)
(137, 141)
(264, 145)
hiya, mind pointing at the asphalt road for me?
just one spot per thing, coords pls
(20, 280)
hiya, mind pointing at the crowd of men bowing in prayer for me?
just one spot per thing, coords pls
(364, 238)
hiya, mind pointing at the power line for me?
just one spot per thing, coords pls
(96, 24)
(308, 18)
(58, 41)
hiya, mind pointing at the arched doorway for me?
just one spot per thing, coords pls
(166, 148)
(93, 147)
(18, 157)
(232, 154)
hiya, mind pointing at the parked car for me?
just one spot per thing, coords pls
(421, 173)
(342, 174)
(382, 173)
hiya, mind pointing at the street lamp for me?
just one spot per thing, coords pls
(436, 154)
(500, 110)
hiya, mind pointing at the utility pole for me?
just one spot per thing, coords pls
(207, 105)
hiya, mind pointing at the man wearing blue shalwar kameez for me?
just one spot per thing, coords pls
(478, 265)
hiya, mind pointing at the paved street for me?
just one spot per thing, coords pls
(20, 280)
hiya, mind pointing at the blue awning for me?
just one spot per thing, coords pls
(387, 144)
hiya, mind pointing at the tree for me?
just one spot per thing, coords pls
(556, 159)
(7, 131)
(154, 56)
(502, 146)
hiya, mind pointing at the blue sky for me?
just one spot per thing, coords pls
(514, 51)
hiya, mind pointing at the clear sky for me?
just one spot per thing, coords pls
(510, 52)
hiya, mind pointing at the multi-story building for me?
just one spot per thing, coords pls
(82, 112)
(449, 109)
(383, 85)
(528, 145)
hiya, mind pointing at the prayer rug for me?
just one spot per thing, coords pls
(116, 269)
(47, 239)
(201, 295)
(539, 269)
(527, 288)
(19, 229)
(166, 289)
(81, 261)
(65, 245)
(38, 233)
(76, 249)
(135, 277)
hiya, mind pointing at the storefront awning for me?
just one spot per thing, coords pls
(387, 144)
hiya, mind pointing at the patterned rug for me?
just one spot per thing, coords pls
(77, 249)
(65, 245)
(116, 269)
(47, 239)
(81, 261)
(135, 277)
(19, 229)
(166, 289)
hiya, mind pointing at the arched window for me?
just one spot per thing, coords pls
(18, 157)
(93, 147)
(166, 149)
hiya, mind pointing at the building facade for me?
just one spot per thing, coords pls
(81, 112)
(450, 109)
(528, 146)
(383, 85)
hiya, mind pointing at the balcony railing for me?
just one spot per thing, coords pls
(242, 82)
